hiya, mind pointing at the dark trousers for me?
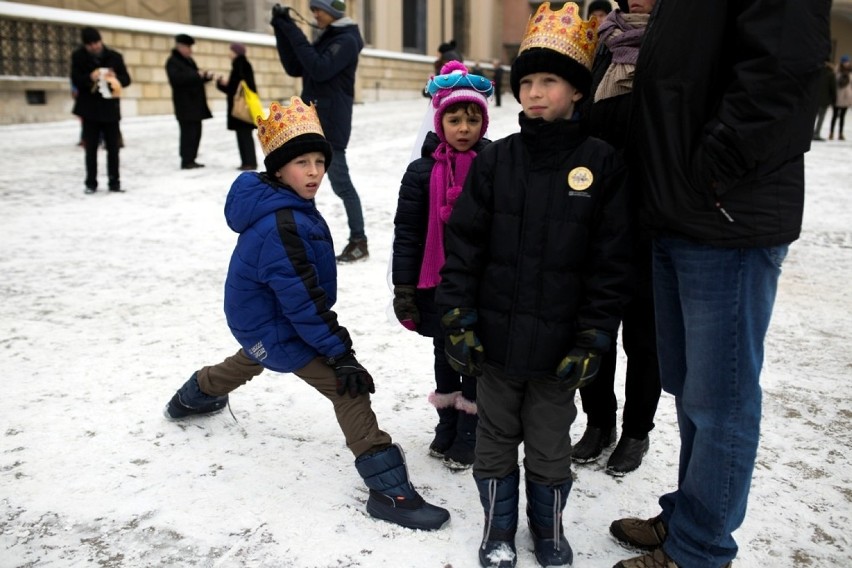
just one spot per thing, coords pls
(190, 138)
(447, 379)
(642, 378)
(354, 415)
(837, 113)
(245, 143)
(92, 132)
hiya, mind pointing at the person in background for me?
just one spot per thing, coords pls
(498, 82)
(189, 98)
(279, 294)
(429, 189)
(327, 68)
(599, 9)
(843, 99)
(447, 52)
(718, 152)
(620, 38)
(241, 70)
(826, 96)
(537, 259)
(98, 74)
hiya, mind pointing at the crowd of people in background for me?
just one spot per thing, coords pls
(643, 193)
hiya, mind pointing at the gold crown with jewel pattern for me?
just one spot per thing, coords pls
(563, 31)
(285, 123)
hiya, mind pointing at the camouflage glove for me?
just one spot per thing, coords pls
(351, 376)
(581, 365)
(404, 307)
(461, 346)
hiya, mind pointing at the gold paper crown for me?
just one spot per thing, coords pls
(563, 31)
(285, 123)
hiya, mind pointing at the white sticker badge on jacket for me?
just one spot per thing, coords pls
(580, 178)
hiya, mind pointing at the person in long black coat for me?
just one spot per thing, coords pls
(189, 98)
(241, 70)
(97, 104)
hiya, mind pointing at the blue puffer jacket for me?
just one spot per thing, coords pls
(282, 279)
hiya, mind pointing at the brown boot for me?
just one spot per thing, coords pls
(639, 533)
(355, 250)
(655, 559)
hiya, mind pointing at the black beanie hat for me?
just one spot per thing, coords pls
(604, 5)
(184, 39)
(89, 35)
(543, 60)
(299, 145)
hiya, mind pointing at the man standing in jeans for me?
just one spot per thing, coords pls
(719, 132)
(327, 68)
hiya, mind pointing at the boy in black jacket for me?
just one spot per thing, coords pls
(536, 258)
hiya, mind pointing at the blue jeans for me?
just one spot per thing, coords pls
(713, 307)
(341, 184)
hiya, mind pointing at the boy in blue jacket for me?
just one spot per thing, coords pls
(281, 286)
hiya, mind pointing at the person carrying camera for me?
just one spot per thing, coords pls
(327, 68)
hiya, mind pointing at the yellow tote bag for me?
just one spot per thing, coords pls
(247, 106)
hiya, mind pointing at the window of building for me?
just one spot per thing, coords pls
(414, 26)
(366, 20)
(36, 49)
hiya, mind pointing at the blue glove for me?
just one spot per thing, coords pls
(581, 365)
(461, 346)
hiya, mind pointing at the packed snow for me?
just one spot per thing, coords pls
(111, 301)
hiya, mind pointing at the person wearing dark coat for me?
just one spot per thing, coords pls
(717, 137)
(241, 70)
(327, 68)
(189, 98)
(98, 73)
(608, 113)
(826, 97)
(498, 82)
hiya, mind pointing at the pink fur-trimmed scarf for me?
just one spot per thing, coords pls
(450, 165)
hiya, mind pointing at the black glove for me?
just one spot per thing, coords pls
(581, 365)
(280, 12)
(461, 346)
(404, 307)
(351, 376)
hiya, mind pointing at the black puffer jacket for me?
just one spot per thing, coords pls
(90, 105)
(241, 70)
(188, 94)
(410, 226)
(537, 254)
(720, 126)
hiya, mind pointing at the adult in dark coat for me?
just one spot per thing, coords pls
(189, 98)
(621, 36)
(327, 68)
(826, 97)
(241, 70)
(718, 133)
(98, 73)
(498, 82)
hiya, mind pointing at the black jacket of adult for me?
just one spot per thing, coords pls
(827, 90)
(241, 70)
(327, 68)
(720, 126)
(90, 105)
(538, 255)
(188, 94)
(411, 223)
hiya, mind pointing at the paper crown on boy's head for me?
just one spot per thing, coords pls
(559, 42)
(290, 131)
(456, 85)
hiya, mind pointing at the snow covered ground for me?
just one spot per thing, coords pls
(109, 302)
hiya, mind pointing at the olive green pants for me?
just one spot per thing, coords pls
(354, 415)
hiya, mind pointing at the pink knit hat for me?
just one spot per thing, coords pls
(456, 85)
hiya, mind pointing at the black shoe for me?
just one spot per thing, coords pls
(90, 190)
(590, 446)
(191, 166)
(116, 187)
(247, 168)
(355, 250)
(627, 455)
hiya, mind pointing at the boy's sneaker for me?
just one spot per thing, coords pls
(644, 534)
(355, 250)
(655, 559)
(190, 401)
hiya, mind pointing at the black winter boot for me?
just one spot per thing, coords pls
(544, 514)
(445, 432)
(499, 498)
(189, 400)
(392, 496)
(461, 454)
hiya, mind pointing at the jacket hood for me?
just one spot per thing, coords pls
(254, 195)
